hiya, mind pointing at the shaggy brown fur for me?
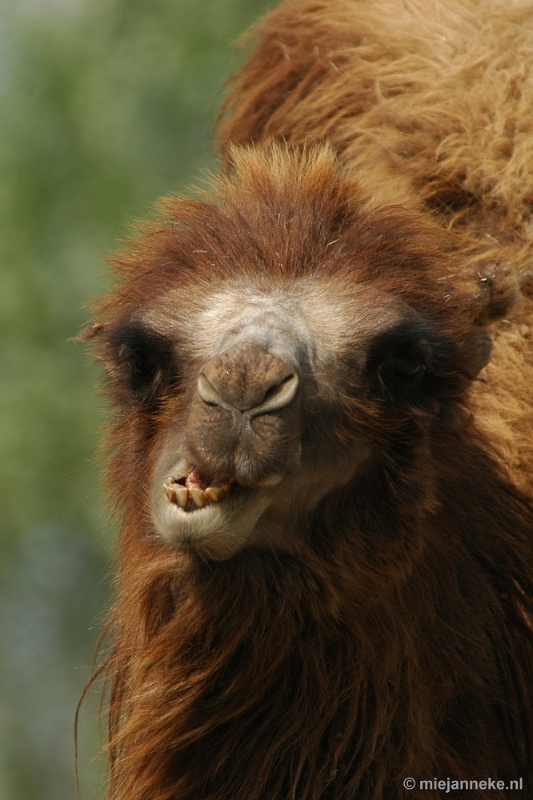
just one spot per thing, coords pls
(307, 336)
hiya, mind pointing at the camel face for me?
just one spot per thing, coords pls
(274, 381)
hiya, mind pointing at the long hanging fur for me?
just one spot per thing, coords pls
(396, 641)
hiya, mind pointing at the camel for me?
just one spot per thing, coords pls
(321, 379)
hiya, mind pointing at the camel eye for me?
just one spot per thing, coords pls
(406, 367)
(401, 376)
(398, 364)
(142, 362)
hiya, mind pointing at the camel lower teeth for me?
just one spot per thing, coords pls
(171, 493)
(183, 496)
(198, 497)
(215, 493)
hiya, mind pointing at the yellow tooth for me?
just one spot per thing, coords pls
(215, 493)
(182, 496)
(198, 497)
(171, 494)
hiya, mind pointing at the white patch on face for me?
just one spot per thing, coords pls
(240, 313)
(314, 316)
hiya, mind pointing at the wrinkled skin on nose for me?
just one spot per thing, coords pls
(249, 379)
(244, 422)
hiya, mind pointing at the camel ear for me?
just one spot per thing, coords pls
(90, 332)
(497, 293)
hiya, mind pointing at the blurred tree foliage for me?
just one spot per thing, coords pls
(105, 105)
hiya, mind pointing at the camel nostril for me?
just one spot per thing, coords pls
(209, 394)
(278, 396)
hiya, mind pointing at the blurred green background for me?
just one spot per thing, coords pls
(104, 106)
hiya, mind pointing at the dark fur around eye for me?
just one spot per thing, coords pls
(142, 360)
(400, 364)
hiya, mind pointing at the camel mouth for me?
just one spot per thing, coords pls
(194, 490)
(195, 510)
